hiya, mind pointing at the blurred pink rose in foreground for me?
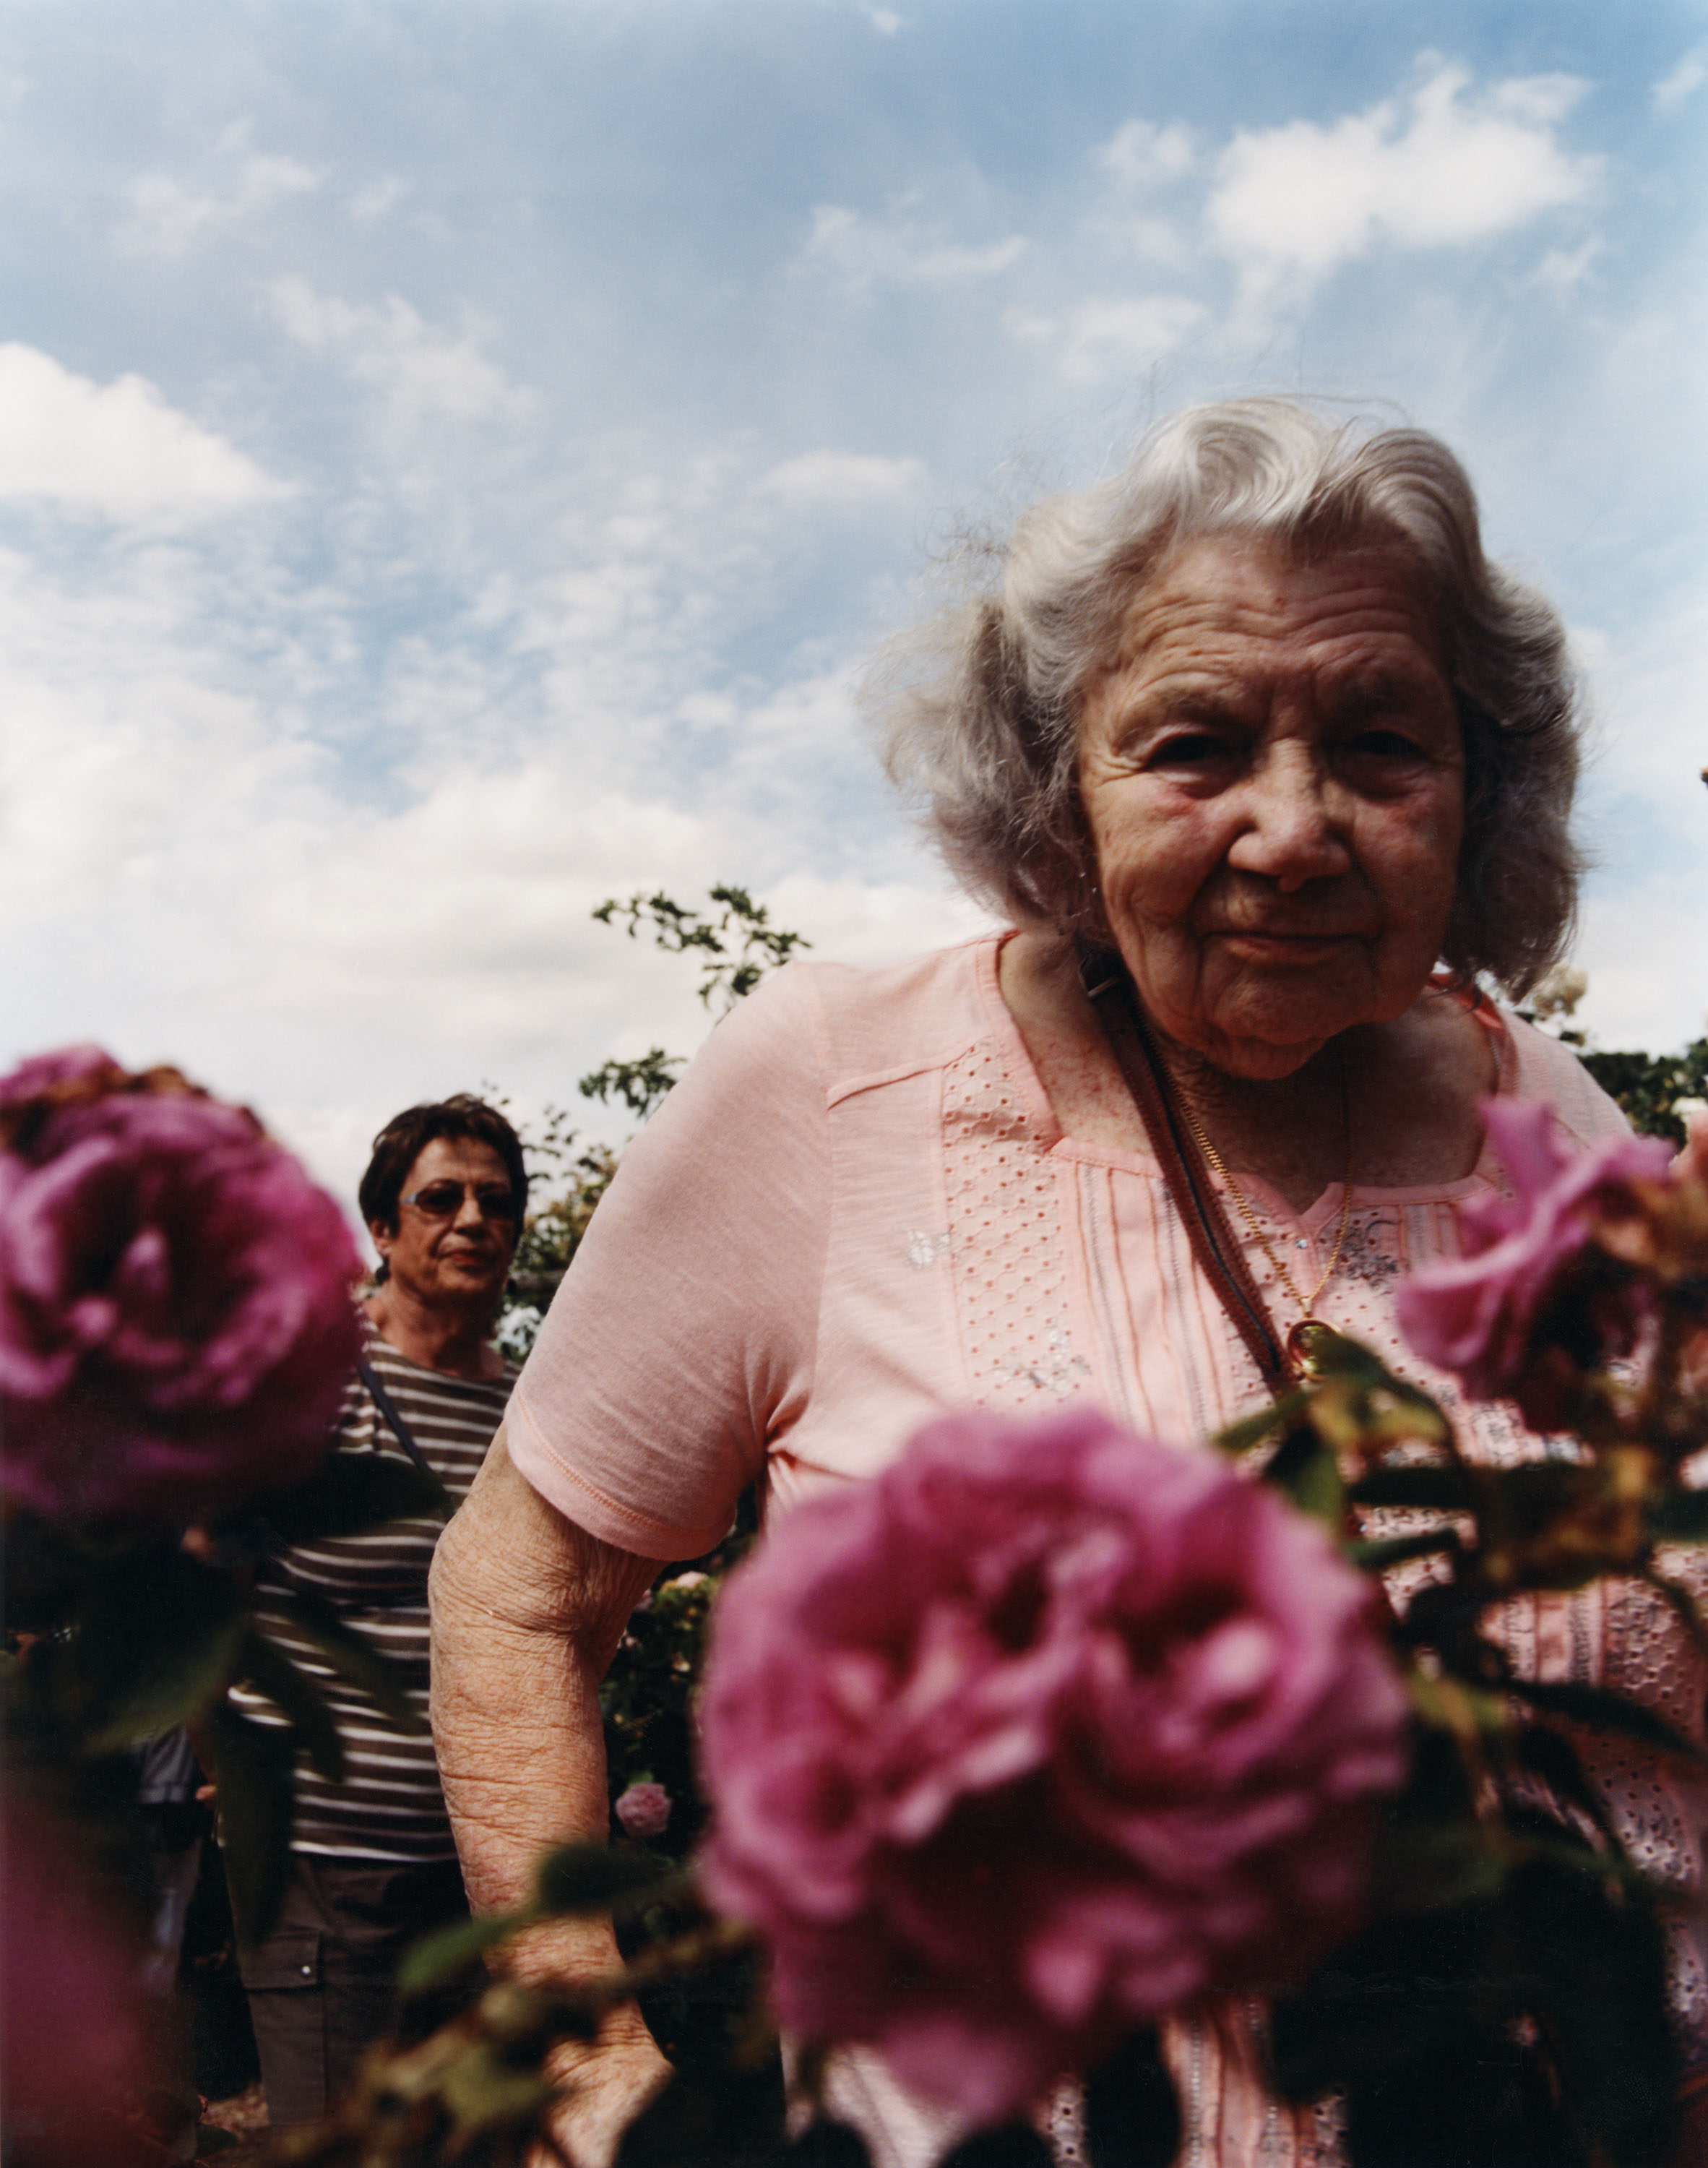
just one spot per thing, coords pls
(46, 1080)
(1045, 1732)
(643, 1810)
(175, 1322)
(77, 2033)
(1472, 1313)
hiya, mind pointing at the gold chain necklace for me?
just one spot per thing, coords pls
(1301, 1337)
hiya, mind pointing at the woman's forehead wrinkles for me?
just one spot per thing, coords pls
(1199, 678)
(1216, 597)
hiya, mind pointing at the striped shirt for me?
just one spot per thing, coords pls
(389, 1805)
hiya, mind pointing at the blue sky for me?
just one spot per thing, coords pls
(453, 459)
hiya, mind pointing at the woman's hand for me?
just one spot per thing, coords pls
(606, 2084)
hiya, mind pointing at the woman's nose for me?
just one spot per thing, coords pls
(1292, 835)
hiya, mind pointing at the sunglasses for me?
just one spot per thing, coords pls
(443, 1200)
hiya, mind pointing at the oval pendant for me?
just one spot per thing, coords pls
(1308, 1343)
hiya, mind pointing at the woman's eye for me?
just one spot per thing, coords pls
(1384, 745)
(1192, 749)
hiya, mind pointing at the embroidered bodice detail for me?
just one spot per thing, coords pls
(1007, 1247)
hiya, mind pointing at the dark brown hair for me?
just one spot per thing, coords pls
(406, 1136)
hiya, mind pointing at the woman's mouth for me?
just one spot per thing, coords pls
(1256, 947)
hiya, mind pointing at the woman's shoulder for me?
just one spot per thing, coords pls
(801, 1042)
(1542, 1067)
(873, 1020)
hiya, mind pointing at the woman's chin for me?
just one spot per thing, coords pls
(1263, 1046)
(1260, 1060)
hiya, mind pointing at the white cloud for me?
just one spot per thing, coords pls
(1648, 699)
(116, 448)
(169, 217)
(844, 480)
(1100, 339)
(498, 871)
(1565, 269)
(1140, 155)
(1645, 931)
(901, 250)
(868, 923)
(227, 903)
(424, 370)
(318, 806)
(1444, 166)
(370, 204)
(1645, 952)
(1682, 83)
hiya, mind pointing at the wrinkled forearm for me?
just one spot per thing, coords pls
(526, 1610)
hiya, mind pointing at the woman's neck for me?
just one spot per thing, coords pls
(1412, 1085)
(452, 1341)
(1298, 1132)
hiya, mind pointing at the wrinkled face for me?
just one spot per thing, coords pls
(1274, 780)
(459, 1262)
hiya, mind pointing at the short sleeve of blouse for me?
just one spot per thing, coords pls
(1545, 1069)
(683, 1338)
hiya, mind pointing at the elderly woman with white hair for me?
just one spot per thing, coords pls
(1270, 771)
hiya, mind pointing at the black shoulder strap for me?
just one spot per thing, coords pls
(393, 1417)
(1219, 1256)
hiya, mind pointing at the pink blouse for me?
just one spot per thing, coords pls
(856, 1209)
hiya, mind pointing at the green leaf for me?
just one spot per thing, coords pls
(1679, 1517)
(1358, 1405)
(445, 1955)
(1424, 1870)
(1458, 1705)
(352, 1492)
(358, 1659)
(484, 2092)
(253, 1766)
(1601, 1709)
(1553, 1758)
(155, 1637)
(1400, 1994)
(592, 1878)
(41, 1572)
(1252, 1430)
(1477, 2098)
(1596, 1962)
(709, 2114)
(1350, 1362)
(641, 1084)
(1441, 1490)
(1313, 1484)
(297, 1698)
(1380, 1552)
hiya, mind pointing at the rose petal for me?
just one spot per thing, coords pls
(1014, 1747)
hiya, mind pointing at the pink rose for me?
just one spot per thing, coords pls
(1474, 1314)
(64, 1074)
(77, 2033)
(176, 1323)
(1045, 1732)
(643, 1810)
